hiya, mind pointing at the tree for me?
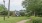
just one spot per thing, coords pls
(2, 7)
(32, 5)
(22, 12)
(8, 8)
(2, 10)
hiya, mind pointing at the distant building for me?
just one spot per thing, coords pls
(17, 13)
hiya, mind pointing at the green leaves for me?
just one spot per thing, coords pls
(33, 5)
(2, 8)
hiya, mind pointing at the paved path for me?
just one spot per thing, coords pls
(23, 21)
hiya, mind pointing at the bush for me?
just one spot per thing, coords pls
(4, 13)
(38, 20)
(35, 20)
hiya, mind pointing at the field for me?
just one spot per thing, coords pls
(12, 19)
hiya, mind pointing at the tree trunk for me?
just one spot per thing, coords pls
(8, 8)
(34, 13)
(4, 6)
(4, 17)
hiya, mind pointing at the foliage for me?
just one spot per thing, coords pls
(22, 12)
(11, 13)
(33, 5)
(35, 20)
(3, 10)
(39, 20)
(4, 13)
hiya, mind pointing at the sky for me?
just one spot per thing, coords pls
(14, 4)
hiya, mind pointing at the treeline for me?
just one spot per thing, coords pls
(33, 6)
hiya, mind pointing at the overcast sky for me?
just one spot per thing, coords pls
(14, 4)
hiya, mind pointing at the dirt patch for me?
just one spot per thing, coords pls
(23, 21)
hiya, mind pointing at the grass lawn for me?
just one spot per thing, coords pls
(12, 19)
(28, 22)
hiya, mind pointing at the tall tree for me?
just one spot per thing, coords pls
(4, 7)
(32, 5)
(8, 8)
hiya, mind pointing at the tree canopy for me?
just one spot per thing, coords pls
(33, 5)
(2, 8)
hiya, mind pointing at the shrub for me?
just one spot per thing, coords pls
(37, 20)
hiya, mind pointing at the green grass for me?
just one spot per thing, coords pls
(12, 19)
